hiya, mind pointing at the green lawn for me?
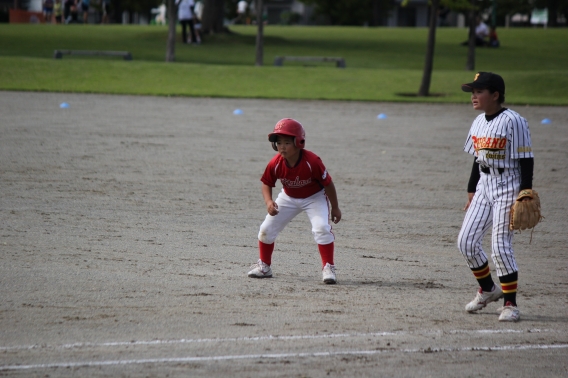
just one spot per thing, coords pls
(383, 64)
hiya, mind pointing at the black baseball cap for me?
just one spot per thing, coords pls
(488, 80)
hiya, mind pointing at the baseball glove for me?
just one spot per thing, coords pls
(525, 214)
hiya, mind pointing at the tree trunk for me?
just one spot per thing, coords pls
(552, 13)
(429, 60)
(376, 13)
(172, 22)
(259, 34)
(470, 64)
(213, 15)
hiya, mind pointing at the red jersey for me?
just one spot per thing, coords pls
(308, 177)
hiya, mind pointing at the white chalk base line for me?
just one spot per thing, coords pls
(270, 337)
(274, 356)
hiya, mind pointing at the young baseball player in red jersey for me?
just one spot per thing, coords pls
(500, 140)
(306, 186)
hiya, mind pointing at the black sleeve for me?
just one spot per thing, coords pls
(474, 178)
(527, 167)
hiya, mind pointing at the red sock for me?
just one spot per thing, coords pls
(326, 253)
(265, 252)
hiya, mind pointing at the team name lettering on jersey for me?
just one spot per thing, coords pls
(488, 143)
(499, 142)
(297, 183)
(495, 156)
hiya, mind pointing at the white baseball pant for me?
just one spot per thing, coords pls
(315, 206)
(491, 206)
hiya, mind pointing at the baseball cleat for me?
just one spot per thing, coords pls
(328, 274)
(260, 270)
(509, 313)
(483, 298)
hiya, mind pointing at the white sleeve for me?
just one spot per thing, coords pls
(469, 146)
(520, 137)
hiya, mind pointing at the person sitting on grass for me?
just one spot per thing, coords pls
(493, 39)
(481, 33)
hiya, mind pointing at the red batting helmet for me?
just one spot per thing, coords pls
(289, 127)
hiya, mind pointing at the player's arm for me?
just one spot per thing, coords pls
(527, 168)
(271, 206)
(332, 196)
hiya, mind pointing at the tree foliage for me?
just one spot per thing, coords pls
(352, 12)
(509, 7)
(142, 6)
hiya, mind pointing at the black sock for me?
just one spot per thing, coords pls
(509, 287)
(483, 276)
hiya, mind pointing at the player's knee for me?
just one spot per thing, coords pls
(321, 229)
(464, 246)
(265, 237)
(322, 234)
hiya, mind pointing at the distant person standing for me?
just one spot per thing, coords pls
(185, 16)
(48, 11)
(198, 13)
(72, 16)
(58, 11)
(67, 10)
(241, 12)
(106, 11)
(85, 9)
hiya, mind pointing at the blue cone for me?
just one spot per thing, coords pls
(382, 116)
(64, 105)
(545, 121)
(237, 112)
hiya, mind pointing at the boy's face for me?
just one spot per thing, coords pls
(482, 99)
(286, 147)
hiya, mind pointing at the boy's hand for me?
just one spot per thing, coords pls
(469, 199)
(272, 208)
(335, 215)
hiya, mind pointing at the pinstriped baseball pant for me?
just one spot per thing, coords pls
(491, 208)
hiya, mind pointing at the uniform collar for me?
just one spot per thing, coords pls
(491, 117)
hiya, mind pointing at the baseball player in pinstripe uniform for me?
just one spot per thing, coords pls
(500, 140)
(306, 187)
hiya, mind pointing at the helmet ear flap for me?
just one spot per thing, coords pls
(274, 146)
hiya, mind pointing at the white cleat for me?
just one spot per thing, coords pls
(328, 274)
(483, 298)
(260, 270)
(509, 313)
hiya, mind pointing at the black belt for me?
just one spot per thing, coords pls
(488, 171)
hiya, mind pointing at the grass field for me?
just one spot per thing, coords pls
(383, 64)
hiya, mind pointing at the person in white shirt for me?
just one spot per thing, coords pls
(185, 16)
(481, 33)
(241, 12)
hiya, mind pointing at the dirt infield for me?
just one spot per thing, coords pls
(127, 226)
